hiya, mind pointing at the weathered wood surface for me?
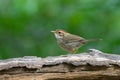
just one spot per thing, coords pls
(92, 65)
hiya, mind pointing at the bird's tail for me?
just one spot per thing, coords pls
(92, 40)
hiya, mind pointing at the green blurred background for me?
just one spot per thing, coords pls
(25, 25)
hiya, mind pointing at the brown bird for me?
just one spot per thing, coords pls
(70, 42)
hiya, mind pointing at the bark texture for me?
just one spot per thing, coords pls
(92, 65)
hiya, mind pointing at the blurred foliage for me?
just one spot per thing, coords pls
(25, 25)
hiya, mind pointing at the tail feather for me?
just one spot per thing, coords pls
(92, 40)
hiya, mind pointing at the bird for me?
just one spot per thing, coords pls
(70, 42)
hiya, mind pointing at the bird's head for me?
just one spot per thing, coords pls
(59, 33)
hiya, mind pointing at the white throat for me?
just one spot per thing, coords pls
(57, 36)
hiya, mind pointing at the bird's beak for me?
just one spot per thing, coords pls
(53, 31)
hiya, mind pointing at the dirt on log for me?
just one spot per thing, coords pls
(92, 65)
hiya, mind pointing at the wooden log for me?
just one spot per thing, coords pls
(92, 65)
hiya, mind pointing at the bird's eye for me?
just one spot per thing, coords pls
(59, 32)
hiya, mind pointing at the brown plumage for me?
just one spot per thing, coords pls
(69, 42)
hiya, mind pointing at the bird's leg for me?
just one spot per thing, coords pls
(74, 50)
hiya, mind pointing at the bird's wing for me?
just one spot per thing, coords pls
(74, 38)
(74, 41)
